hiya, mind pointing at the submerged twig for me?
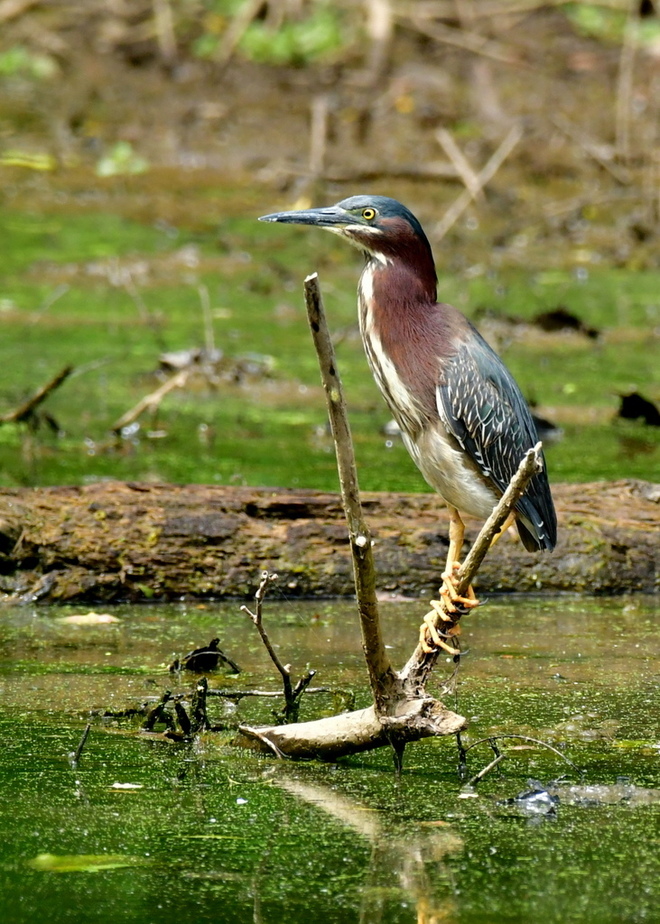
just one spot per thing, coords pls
(492, 738)
(75, 757)
(482, 773)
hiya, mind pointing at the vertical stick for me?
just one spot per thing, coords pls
(381, 675)
(625, 83)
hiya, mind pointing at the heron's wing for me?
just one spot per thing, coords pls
(480, 404)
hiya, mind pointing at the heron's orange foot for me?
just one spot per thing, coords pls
(451, 599)
(430, 638)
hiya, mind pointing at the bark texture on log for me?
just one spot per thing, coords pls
(352, 732)
(121, 541)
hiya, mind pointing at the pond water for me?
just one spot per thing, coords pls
(146, 830)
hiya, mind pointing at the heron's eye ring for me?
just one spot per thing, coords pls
(369, 214)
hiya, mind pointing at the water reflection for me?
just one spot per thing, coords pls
(407, 861)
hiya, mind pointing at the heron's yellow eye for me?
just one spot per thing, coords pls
(369, 214)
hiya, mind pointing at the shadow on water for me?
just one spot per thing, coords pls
(145, 830)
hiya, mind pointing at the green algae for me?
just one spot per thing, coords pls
(227, 835)
(109, 293)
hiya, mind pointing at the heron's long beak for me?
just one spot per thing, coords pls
(332, 217)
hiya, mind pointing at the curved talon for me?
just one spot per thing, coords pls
(428, 628)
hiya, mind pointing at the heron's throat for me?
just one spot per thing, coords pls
(395, 311)
(394, 292)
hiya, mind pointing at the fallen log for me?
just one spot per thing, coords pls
(115, 541)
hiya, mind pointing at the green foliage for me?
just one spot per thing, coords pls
(609, 24)
(19, 61)
(293, 41)
(121, 160)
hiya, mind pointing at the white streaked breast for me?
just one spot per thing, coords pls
(443, 466)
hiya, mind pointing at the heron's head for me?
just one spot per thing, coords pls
(383, 228)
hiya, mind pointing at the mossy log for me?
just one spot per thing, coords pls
(124, 541)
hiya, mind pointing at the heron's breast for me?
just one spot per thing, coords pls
(444, 466)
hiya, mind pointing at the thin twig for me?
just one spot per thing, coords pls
(544, 744)
(256, 617)
(484, 176)
(292, 694)
(469, 41)
(241, 694)
(27, 409)
(238, 695)
(152, 400)
(461, 163)
(75, 757)
(482, 773)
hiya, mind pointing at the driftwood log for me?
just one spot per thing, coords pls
(121, 541)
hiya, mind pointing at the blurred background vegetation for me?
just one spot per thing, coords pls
(139, 141)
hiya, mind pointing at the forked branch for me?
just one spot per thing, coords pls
(402, 710)
(292, 694)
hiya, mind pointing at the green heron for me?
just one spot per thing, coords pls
(462, 416)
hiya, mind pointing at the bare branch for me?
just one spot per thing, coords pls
(461, 163)
(416, 671)
(531, 465)
(381, 675)
(484, 176)
(27, 409)
(151, 401)
(256, 617)
(482, 773)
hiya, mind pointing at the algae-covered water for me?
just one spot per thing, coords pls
(113, 277)
(145, 830)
